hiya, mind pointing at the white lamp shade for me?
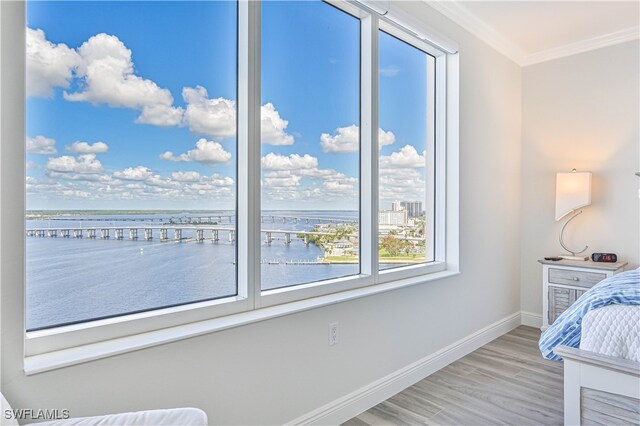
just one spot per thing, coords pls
(573, 190)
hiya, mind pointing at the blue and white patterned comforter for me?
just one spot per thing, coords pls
(621, 289)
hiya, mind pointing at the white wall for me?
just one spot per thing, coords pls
(277, 370)
(581, 111)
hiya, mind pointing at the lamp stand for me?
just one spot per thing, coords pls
(573, 255)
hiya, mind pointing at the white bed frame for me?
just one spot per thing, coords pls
(586, 369)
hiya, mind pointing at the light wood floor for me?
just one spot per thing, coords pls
(504, 382)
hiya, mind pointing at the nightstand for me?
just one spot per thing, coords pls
(563, 281)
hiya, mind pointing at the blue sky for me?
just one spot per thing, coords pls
(132, 105)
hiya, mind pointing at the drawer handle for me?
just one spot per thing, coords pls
(576, 279)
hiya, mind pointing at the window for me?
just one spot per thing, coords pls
(131, 157)
(407, 154)
(310, 143)
(217, 158)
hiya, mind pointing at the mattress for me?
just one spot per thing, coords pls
(612, 330)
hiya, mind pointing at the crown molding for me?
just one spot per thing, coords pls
(605, 40)
(479, 28)
(470, 22)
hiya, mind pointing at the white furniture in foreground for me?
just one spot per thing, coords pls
(586, 369)
(564, 281)
(168, 417)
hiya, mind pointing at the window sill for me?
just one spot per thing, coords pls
(67, 357)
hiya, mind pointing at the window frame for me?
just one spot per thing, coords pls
(436, 116)
(251, 303)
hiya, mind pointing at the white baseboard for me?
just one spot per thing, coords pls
(348, 406)
(531, 319)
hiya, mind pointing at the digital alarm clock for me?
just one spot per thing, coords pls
(604, 257)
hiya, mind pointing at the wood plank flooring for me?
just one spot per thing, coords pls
(506, 382)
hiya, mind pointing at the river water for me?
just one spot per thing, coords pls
(77, 279)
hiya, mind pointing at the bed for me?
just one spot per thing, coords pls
(598, 338)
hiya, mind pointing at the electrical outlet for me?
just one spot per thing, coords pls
(333, 333)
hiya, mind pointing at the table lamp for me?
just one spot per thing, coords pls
(573, 191)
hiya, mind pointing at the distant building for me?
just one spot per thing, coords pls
(413, 208)
(391, 217)
(396, 206)
(342, 248)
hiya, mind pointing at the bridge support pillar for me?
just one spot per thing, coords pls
(306, 240)
(91, 233)
(119, 234)
(214, 235)
(232, 236)
(199, 235)
(148, 234)
(267, 238)
(177, 234)
(133, 234)
(77, 233)
(52, 233)
(287, 239)
(163, 234)
(104, 234)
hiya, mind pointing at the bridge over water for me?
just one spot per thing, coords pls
(178, 233)
(167, 233)
(204, 219)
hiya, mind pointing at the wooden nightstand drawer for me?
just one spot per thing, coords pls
(559, 300)
(575, 278)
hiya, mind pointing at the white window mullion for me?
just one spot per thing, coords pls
(248, 230)
(440, 105)
(369, 147)
(432, 179)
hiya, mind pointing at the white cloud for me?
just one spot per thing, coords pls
(273, 161)
(214, 117)
(41, 145)
(280, 179)
(298, 178)
(87, 148)
(83, 164)
(205, 152)
(108, 73)
(48, 65)
(88, 177)
(185, 176)
(161, 115)
(76, 193)
(218, 180)
(400, 184)
(406, 157)
(158, 181)
(390, 71)
(133, 173)
(385, 138)
(217, 117)
(347, 139)
(273, 127)
(337, 186)
(339, 183)
(134, 183)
